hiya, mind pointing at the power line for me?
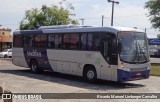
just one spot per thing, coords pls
(115, 17)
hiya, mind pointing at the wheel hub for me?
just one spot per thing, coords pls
(90, 74)
(33, 67)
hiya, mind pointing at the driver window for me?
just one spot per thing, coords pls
(114, 46)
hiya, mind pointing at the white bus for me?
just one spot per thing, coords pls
(109, 53)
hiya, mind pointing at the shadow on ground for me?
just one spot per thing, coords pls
(72, 80)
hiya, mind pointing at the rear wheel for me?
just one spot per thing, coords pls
(34, 67)
(90, 74)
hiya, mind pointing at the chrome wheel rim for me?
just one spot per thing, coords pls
(90, 74)
(34, 67)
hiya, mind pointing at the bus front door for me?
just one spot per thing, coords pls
(105, 63)
(108, 68)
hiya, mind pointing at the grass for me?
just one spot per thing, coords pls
(155, 70)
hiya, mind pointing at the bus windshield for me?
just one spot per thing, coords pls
(134, 47)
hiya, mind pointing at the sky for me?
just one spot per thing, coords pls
(128, 13)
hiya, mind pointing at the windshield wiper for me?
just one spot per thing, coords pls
(142, 52)
(136, 54)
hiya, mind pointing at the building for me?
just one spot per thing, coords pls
(5, 39)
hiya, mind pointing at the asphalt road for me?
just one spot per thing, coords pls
(21, 80)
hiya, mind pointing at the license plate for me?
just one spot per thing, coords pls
(138, 74)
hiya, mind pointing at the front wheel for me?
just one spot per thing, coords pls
(90, 75)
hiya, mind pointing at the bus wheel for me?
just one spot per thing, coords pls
(34, 67)
(90, 75)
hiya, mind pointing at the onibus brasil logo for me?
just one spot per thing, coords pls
(34, 53)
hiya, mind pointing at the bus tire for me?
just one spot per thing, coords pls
(90, 74)
(34, 67)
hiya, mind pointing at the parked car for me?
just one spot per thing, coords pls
(6, 53)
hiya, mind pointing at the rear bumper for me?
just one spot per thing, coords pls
(129, 76)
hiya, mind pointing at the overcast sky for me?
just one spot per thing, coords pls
(129, 13)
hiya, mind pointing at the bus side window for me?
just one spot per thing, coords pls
(40, 41)
(58, 41)
(83, 41)
(74, 41)
(28, 41)
(66, 41)
(96, 42)
(51, 41)
(90, 42)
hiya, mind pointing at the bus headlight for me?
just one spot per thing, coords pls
(123, 66)
(149, 67)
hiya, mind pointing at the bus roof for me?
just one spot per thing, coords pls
(68, 29)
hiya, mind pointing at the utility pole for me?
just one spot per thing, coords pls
(82, 19)
(145, 30)
(102, 20)
(113, 2)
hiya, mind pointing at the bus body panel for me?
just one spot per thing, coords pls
(124, 75)
(63, 61)
(114, 73)
(108, 72)
(18, 57)
(38, 54)
(73, 61)
(133, 72)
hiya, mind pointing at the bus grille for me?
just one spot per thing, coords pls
(137, 69)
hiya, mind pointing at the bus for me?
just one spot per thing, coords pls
(109, 53)
(154, 50)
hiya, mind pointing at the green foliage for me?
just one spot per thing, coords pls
(155, 70)
(46, 16)
(153, 7)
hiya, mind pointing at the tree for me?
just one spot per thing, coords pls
(153, 7)
(46, 16)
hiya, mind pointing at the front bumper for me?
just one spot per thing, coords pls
(129, 76)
